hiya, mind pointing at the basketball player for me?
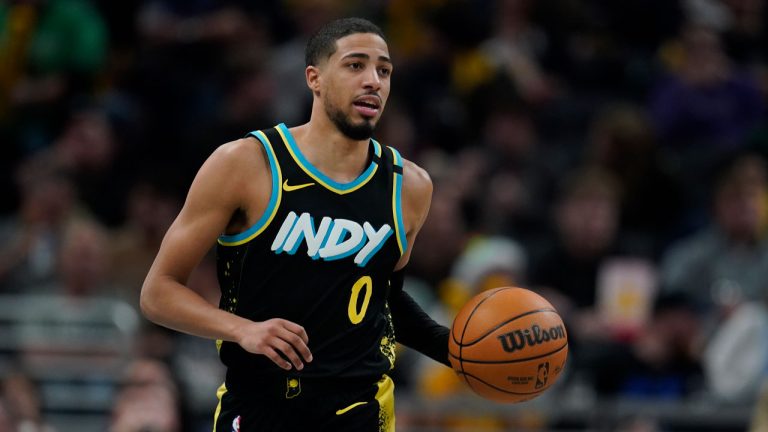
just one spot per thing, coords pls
(317, 220)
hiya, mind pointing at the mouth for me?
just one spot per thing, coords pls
(368, 105)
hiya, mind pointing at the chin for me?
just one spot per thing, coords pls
(371, 123)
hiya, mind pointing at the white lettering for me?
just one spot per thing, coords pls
(335, 238)
(303, 228)
(314, 242)
(277, 245)
(376, 240)
(337, 246)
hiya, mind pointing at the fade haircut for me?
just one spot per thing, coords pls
(322, 44)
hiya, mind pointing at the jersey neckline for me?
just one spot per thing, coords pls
(317, 175)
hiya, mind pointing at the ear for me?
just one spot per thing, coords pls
(312, 74)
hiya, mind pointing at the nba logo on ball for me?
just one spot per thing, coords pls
(508, 344)
(542, 376)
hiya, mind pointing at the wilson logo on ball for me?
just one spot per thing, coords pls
(519, 339)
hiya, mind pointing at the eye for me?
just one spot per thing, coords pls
(385, 71)
(355, 66)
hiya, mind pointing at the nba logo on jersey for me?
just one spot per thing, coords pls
(236, 424)
(333, 239)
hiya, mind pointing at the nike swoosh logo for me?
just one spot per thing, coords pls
(288, 188)
(356, 404)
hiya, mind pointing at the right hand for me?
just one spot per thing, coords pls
(276, 336)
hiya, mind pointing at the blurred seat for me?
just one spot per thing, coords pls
(74, 349)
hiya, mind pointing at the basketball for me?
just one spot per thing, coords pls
(508, 344)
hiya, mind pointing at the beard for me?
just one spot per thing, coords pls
(357, 132)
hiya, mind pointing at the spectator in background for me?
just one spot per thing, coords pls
(723, 271)
(567, 272)
(516, 176)
(75, 257)
(30, 238)
(20, 405)
(706, 107)
(437, 44)
(746, 34)
(727, 262)
(662, 360)
(182, 68)
(516, 48)
(623, 143)
(76, 297)
(83, 261)
(6, 424)
(250, 99)
(446, 234)
(149, 212)
(90, 151)
(587, 228)
(149, 400)
(286, 60)
(51, 51)
(623, 340)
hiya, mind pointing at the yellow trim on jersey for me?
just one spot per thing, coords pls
(219, 395)
(385, 396)
(321, 178)
(274, 201)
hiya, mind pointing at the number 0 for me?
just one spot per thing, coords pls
(354, 315)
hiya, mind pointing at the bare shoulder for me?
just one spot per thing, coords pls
(229, 174)
(238, 154)
(417, 194)
(230, 162)
(416, 181)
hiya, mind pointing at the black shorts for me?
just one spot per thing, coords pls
(293, 405)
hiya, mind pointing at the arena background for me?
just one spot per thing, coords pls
(608, 154)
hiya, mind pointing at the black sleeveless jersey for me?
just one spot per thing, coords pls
(321, 256)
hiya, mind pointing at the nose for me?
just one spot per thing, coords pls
(372, 80)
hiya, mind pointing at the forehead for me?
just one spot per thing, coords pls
(366, 43)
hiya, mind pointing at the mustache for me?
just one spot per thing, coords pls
(370, 93)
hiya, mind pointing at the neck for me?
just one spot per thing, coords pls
(330, 151)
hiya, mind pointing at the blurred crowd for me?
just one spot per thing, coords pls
(609, 155)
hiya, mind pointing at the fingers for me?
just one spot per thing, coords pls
(289, 352)
(282, 341)
(297, 343)
(276, 358)
(295, 328)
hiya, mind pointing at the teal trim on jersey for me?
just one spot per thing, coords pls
(352, 251)
(376, 147)
(274, 199)
(341, 188)
(402, 241)
(376, 250)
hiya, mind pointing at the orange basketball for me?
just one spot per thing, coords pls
(509, 344)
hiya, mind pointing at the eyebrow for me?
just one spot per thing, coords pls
(366, 57)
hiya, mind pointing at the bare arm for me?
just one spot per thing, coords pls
(219, 189)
